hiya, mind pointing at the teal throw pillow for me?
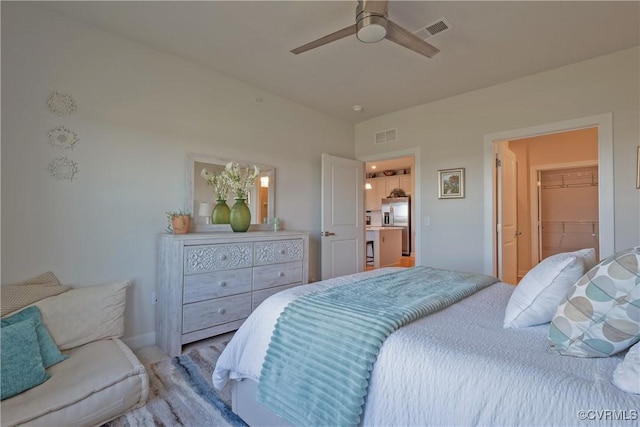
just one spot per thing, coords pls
(48, 349)
(20, 361)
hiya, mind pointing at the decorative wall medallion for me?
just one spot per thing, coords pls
(63, 168)
(63, 138)
(61, 104)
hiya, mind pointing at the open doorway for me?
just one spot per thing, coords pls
(598, 128)
(390, 212)
(556, 198)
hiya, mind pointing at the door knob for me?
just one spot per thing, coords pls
(327, 234)
(518, 233)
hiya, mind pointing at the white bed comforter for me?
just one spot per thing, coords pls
(459, 367)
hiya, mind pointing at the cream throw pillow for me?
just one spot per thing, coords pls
(86, 314)
(16, 296)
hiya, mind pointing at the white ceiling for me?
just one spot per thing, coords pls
(489, 43)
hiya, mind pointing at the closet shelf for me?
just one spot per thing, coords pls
(569, 180)
(572, 222)
(563, 248)
(570, 227)
(563, 186)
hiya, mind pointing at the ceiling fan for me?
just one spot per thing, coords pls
(372, 25)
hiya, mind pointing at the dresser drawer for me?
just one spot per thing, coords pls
(278, 251)
(259, 296)
(198, 287)
(268, 276)
(205, 314)
(206, 258)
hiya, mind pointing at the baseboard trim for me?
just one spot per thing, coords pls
(140, 341)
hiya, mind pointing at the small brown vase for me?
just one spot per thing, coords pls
(180, 224)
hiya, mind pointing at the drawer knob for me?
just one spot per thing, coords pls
(282, 251)
(221, 311)
(223, 257)
(281, 274)
(223, 284)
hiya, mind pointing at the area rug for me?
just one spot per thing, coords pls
(181, 394)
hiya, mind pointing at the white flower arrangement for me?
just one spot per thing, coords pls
(240, 180)
(217, 184)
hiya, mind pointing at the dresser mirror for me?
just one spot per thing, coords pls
(201, 199)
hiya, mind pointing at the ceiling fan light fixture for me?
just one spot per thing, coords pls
(372, 25)
(372, 28)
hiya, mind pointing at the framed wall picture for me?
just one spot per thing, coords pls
(451, 183)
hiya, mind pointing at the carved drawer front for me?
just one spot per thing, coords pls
(205, 258)
(198, 287)
(205, 314)
(259, 296)
(268, 276)
(278, 251)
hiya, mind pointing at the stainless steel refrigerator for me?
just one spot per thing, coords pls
(396, 212)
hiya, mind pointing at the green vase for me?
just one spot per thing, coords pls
(240, 216)
(220, 214)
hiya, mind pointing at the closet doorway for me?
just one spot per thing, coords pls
(557, 194)
(601, 128)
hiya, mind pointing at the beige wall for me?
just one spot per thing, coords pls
(450, 133)
(139, 112)
(560, 148)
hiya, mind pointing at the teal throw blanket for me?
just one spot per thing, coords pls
(317, 367)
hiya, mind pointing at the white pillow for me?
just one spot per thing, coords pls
(535, 300)
(627, 374)
(86, 314)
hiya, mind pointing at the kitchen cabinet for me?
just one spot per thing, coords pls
(381, 188)
(391, 183)
(373, 197)
(387, 245)
(406, 183)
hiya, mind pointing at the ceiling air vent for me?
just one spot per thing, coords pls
(389, 135)
(440, 26)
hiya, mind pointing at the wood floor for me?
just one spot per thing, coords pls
(405, 261)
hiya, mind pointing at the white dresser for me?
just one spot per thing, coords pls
(209, 283)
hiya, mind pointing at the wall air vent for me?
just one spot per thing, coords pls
(389, 135)
(440, 26)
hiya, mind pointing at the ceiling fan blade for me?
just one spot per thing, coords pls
(406, 38)
(348, 31)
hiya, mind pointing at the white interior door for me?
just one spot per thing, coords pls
(342, 224)
(508, 216)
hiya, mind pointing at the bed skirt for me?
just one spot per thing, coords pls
(244, 403)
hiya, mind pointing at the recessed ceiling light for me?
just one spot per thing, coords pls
(373, 167)
(358, 108)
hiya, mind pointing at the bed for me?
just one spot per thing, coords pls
(457, 366)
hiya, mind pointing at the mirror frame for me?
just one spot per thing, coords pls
(192, 158)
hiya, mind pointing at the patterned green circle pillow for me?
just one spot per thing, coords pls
(600, 315)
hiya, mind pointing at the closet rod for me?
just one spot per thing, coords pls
(567, 177)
